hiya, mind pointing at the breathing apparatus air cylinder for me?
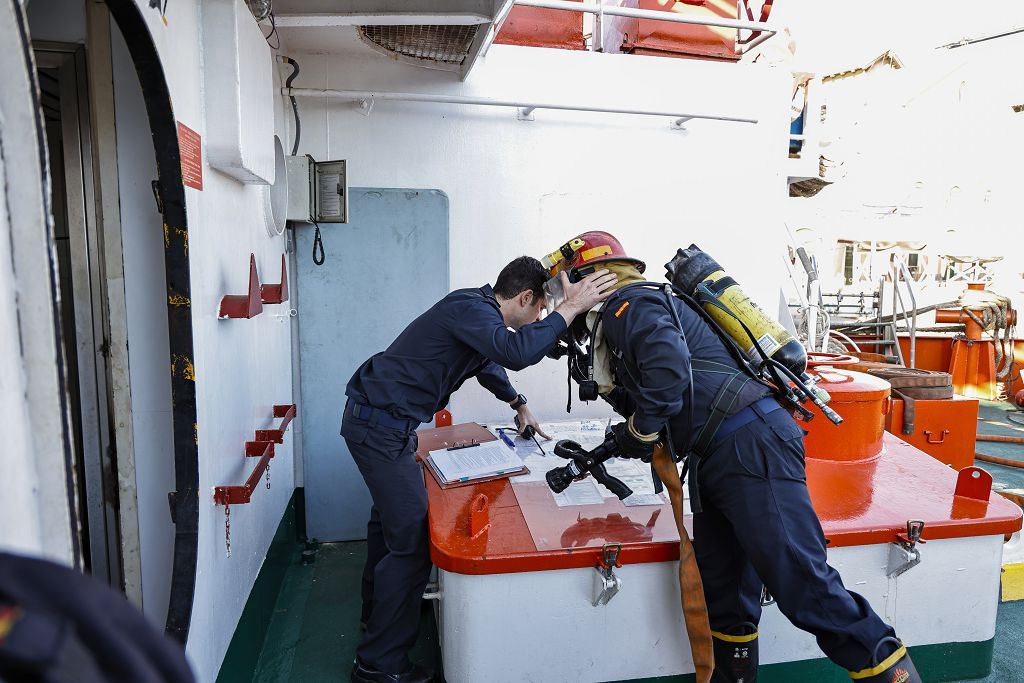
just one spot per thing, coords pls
(697, 274)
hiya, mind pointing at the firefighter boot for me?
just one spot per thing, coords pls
(735, 654)
(895, 668)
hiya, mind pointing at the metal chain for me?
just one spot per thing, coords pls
(268, 475)
(227, 528)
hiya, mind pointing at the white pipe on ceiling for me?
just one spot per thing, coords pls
(369, 97)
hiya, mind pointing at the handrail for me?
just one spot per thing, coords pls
(366, 98)
(900, 272)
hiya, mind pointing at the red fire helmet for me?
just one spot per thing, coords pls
(588, 249)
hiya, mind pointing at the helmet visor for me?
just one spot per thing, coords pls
(554, 294)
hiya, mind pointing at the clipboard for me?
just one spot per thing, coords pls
(429, 466)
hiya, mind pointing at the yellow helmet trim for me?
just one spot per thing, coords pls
(596, 252)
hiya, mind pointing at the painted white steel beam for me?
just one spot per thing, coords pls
(366, 98)
(331, 20)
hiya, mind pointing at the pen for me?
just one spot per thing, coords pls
(505, 437)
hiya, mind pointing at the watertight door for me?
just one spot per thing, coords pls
(382, 270)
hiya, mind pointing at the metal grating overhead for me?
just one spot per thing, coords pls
(433, 43)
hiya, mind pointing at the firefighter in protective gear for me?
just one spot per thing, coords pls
(756, 527)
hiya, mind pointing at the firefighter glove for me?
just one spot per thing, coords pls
(633, 444)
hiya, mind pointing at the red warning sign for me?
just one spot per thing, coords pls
(191, 147)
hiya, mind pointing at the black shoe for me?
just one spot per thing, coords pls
(735, 651)
(415, 674)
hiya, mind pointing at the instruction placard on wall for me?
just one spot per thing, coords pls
(191, 146)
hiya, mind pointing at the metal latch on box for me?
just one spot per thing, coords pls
(903, 554)
(606, 583)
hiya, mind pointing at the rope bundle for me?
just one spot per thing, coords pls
(995, 316)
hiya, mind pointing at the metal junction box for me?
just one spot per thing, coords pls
(317, 190)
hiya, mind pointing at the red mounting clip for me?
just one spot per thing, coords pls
(239, 495)
(244, 305)
(443, 418)
(276, 294)
(973, 482)
(287, 414)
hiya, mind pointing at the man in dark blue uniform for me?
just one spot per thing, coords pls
(464, 335)
(756, 526)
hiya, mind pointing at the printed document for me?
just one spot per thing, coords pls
(475, 462)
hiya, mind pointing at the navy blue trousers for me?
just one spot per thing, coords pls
(397, 542)
(758, 525)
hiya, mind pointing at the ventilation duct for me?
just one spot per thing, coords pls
(432, 46)
(449, 35)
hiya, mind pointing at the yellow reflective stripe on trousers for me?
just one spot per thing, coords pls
(874, 671)
(734, 639)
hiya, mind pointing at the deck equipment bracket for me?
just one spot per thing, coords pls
(287, 414)
(246, 305)
(276, 294)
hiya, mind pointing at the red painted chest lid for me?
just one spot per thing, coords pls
(858, 504)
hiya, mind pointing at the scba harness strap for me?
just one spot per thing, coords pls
(723, 406)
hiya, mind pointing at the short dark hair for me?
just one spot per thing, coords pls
(524, 273)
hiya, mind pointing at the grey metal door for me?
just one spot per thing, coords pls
(84, 324)
(384, 268)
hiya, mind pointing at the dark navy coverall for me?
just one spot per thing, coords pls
(58, 625)
(757, 523)
(389, 396)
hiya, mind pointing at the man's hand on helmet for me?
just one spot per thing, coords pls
(632, 444)
(581, 296)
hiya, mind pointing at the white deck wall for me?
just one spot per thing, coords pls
(242, 367)
(520, 187)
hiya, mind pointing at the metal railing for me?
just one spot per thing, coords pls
(901, 274)
(600, 10)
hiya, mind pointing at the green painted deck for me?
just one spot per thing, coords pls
(993, 411)
(313, 626)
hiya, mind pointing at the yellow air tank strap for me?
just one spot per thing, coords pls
(691, 590)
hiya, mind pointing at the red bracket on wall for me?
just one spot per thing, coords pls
(239, 495)
(287, 414)
(244, 305)
(443, 418)
(276, 294)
